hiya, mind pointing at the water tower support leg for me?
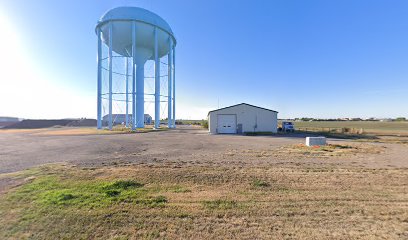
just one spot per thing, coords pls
(140, 95)
(169, 83)
(99, 97)
(133, 76)
(174, 87)
(110, 77)
(157, 81)
(127, 91)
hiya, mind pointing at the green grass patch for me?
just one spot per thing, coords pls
(51, 191)
(62, 197)
(56, 196)
(122, 185)
(220, 204)
(112, 193)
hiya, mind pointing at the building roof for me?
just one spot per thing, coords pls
(241, 104)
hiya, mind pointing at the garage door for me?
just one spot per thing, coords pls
(227, 123)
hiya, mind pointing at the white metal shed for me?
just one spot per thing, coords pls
(242, 118)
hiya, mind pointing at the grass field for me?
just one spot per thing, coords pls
(375, 127)
(66, 202)
(187, 184)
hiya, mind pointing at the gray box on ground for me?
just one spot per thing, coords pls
(315, 141)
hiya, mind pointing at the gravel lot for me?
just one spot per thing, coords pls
(184, 146)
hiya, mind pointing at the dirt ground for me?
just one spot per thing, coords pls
(183, 146)
(212, 186)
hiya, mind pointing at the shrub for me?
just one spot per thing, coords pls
(112, 193)
(260, 183)
(205, 124)
(123, 184)
(65, 197)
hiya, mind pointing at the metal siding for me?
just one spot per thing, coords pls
(227, 123)
(212, 123)
(266, 120)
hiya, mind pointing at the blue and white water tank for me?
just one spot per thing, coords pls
(140, 35)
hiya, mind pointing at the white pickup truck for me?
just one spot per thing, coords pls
(287, 127)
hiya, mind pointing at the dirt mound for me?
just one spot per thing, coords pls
(39, 123)
(45, 123)
(5, 124)
(82, 123)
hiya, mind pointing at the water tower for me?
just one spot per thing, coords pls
(135, 48)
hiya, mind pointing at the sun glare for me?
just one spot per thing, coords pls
(25, 90)
(15, 72)
(10, 46)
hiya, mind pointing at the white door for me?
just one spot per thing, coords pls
(227, 123)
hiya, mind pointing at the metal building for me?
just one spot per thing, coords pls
(242, 118)
(129, 40)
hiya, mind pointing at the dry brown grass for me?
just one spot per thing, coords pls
(378, 128)
(19, 130)
(74, 131)
(301, 150)
(60, 131)
(388, 139)
(331, 150)
(218, 203)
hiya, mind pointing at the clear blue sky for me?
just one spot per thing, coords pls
(302, 58)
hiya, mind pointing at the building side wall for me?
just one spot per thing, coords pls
(252, 119)
(212, 122)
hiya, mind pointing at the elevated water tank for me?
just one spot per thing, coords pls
(141, 35)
